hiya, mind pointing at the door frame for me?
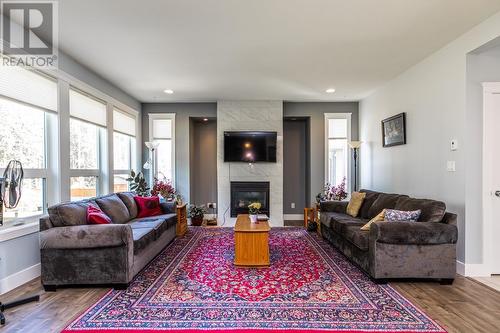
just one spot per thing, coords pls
(487, 169)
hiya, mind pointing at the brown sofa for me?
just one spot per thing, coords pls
(422, 249)
(75, 253)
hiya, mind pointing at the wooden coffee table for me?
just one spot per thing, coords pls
(251, 242)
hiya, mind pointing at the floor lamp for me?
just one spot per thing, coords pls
(151, 162)
(355, 146)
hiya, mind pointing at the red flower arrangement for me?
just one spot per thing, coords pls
(337, 193)
(163, 188)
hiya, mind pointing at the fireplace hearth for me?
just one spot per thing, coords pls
(244, 193)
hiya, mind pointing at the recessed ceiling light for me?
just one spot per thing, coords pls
(330, 90)
(168, 91)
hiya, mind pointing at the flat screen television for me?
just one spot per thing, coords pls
(250, 146)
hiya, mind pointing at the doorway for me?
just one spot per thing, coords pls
(491, 177)
(203, 160)
(295, 169)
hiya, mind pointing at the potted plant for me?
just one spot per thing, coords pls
(138, 184)
(196, 214)
(253, 210)
(331, 192)
(164, 188)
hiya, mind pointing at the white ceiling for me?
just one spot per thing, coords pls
(206, 50)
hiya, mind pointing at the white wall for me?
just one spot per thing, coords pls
(433, 95)
(250, 116)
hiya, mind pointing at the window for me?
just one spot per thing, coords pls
(28, 101)
(338, 135)
(124, 148)
(163, 132)
(88, 119)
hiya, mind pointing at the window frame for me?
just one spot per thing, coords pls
(348, 117)
(36, 173)
(97, 173)
(163, 116)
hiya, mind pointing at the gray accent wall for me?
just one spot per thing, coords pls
(203, 161)
(315, 111)
(183, 112)
(296, 175)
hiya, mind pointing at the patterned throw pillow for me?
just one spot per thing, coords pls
(392, 215)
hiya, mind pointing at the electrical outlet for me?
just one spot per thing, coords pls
(451, 166)
(293, 205)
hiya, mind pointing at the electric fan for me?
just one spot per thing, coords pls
(10, 194)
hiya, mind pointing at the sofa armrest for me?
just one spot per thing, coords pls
(168, 207)
(333, 206)
(87, 236)
(413, 233)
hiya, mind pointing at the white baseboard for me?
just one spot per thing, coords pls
(472, 270)
(15, 280)
(293, 217)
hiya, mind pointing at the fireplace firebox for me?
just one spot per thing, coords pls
(244, 193)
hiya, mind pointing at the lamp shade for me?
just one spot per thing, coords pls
(355, 144)
(152, 144)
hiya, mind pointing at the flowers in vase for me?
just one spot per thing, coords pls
(332, 192)
(254, 207)
(164, 188)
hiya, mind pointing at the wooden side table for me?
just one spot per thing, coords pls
(181, 226)
(309, 216)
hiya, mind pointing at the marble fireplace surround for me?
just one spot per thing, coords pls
(249, 116)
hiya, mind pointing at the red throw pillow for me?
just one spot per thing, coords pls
(96, 216)
(148, 206)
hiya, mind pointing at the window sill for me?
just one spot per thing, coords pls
(22, 228)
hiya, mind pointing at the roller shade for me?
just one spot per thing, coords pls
(86, 108)
(28, 86)
(162, 129)
(123, 123)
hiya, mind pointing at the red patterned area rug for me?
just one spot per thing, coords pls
(193, 285)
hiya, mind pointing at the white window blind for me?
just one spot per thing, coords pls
(86, 108)
(162, 129)
(28, 86)
(123, 123)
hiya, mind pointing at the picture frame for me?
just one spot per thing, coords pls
(394, 130)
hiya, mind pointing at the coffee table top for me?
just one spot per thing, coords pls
(243, 224)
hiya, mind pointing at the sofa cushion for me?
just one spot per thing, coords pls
(355, 203)
(70, 213)
(148, 206)
(357, 237)
(431, 210)
(340, 221)
(114, 207)
(142, 238)
(333, 206)
(128, 200)
(96, 216)
(370, 198)
(384, 201)
(159, 223)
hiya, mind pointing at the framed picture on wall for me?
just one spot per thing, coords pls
(394, 130)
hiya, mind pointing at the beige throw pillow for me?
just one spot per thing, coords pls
(355, 203)
(379, 217)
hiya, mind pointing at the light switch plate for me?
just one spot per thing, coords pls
(454, 145)
(451, 166)
(293, 205)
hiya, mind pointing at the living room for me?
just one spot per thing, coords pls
(262, 166)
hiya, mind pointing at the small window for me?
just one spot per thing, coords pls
(337, 149)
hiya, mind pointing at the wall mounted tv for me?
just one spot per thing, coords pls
(250, 146)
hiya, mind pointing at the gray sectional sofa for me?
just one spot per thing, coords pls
(422, 249)
(75, 253)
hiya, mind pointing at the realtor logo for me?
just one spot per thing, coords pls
(29, 33)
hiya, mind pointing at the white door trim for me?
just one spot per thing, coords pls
(487, 168)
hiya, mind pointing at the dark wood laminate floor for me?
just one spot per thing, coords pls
(466, 307)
